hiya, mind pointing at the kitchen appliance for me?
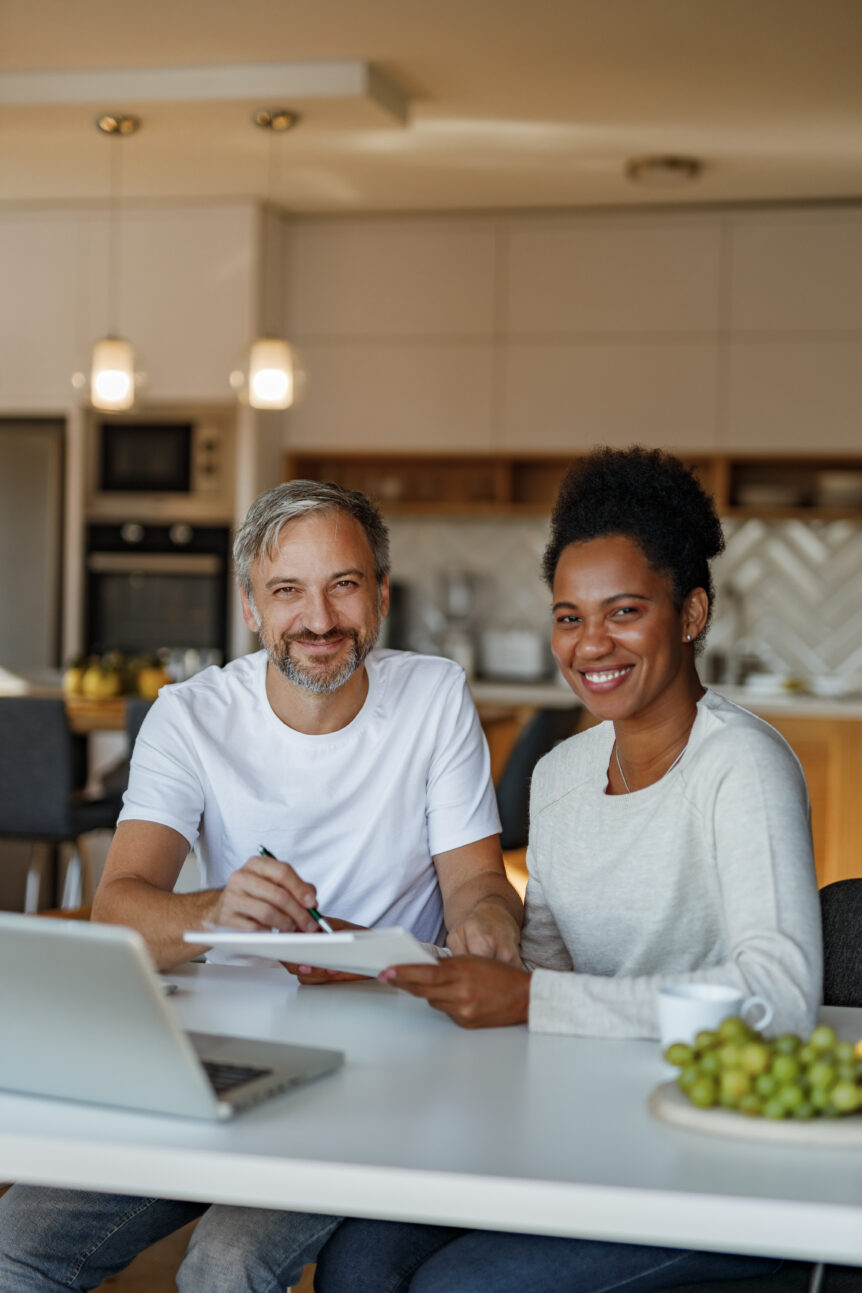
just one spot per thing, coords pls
(170, 466)
(157, 588)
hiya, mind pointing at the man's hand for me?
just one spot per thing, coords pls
(266, 894)
(475, 992)
(490, 931)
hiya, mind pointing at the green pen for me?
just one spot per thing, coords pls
(321, 920)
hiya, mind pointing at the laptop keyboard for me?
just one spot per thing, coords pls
(224, 1077)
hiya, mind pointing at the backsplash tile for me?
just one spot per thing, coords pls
(788, 592)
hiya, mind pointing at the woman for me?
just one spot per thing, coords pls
(671, 842)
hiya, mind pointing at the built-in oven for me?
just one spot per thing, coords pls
(153, 588)
(164, 466)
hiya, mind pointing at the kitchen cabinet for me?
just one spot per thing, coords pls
(825, 487)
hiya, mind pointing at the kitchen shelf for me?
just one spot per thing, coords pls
(815, 488)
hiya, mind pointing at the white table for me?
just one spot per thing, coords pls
(428, 1122)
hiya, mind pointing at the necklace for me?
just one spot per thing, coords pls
(664, 774)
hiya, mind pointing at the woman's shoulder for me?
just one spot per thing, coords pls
(730, 734)
(570, 763)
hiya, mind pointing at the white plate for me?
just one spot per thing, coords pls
(668, 1103)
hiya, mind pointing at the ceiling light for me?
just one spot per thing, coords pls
(664, 170)
(112, 366)
(269, 382)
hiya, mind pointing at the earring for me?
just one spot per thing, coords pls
(688, 637)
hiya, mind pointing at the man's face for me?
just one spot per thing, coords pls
(317, 604)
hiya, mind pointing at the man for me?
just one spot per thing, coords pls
(364, 773)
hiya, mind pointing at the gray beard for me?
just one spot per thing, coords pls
(312, 679)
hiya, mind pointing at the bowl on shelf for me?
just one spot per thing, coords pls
(839, 488)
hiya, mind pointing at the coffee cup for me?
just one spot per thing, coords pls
(685, 1009)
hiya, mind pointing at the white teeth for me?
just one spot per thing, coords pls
(606, 675)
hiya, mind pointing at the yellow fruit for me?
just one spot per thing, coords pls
(150, 679)
(73, 679)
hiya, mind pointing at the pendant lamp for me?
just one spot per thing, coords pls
(269, 381)
(111, 379)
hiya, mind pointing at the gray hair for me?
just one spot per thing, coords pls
(268, 514)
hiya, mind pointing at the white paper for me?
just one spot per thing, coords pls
(362, 951)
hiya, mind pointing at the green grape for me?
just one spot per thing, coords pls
(709, 1064)
(803, 1111)
(703, 1092)
(765, 1085)
(774, 1108)
(785, 1068)
(679, 1054)
(730, 1055)
(806, 1055)
(704, 1040)
(688, 1076)
(822, 1073)
(846, 1072)
(751, 1106)
(787, 1044)
(754, 1057)
(734, 1084)
(791, 1096)
(845, 1097)
(843, 1052)
(823, 1038)
(819, 1097)
(733, 1029)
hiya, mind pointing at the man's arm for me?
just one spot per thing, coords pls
(137, 883)
(483, 913)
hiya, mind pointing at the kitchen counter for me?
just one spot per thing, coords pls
(555, 695)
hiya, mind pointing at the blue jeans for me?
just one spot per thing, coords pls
(70, 1239)
(393, 1257)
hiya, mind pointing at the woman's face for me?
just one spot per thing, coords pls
(618, 638)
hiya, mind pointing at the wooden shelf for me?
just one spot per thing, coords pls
(815, 488)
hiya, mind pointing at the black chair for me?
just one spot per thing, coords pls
(116, 779)
(42, 776)
(542, 731)
(841, 914)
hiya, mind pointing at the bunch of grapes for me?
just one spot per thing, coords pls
(735, 1067)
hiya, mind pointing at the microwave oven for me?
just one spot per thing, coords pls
(165, 467)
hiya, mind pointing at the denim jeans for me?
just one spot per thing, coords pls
(71, 1239)
(393, 1257)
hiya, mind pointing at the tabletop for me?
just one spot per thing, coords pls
(498, 1128)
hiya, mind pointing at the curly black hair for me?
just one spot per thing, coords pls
(649, 496)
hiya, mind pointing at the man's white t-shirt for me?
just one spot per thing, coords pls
(359, 813)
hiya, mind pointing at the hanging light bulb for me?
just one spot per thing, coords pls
(270, 383)
(112, 366)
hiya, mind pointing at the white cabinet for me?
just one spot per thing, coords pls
(396, 279)
(613, 276)
(389, 396)
(571, 396)
(802, 394)
(185, 297)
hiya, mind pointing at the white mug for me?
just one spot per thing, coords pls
(685, 1009)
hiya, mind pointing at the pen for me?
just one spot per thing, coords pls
(321, 920)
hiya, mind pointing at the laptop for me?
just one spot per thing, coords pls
(83, 1016)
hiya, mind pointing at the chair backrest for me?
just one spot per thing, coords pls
(37, 767)
(545, 729)
(841, 913)
(136, 711)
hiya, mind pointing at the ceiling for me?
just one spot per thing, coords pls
(507, 104)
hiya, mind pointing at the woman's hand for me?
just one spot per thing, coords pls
(475, 992)
(310, 974)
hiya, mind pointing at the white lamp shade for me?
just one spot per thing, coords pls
(270, 374)
(112, 375)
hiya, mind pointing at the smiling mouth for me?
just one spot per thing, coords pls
(605, 677)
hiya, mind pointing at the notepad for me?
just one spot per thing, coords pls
(358, 951)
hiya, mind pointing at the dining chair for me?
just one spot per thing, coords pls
(42, 774)
(542, 731)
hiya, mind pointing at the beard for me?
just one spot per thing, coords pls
(322, 676)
